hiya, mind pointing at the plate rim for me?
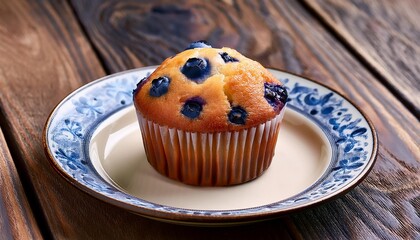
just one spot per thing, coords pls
(190, 219)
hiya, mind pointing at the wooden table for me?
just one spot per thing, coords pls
(367, 50)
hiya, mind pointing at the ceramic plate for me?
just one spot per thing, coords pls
(326, 146)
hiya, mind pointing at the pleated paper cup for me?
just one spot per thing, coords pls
(210, 159)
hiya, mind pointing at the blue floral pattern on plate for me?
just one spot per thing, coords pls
(71, 124)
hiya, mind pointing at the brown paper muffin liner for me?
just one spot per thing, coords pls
(210, 159)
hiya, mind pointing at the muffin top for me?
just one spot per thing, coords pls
(204, 89)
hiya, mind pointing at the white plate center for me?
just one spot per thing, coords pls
(302, 156)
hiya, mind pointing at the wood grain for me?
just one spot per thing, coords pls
(16, 218)
(386, 34)
(281, 34)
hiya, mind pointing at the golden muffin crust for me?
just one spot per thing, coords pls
(230, 95)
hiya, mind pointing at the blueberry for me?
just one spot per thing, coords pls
(140, 85)
(198, 44)
(227, 58)
(193, 107)
(159, 86)
(196, 69)
(275, 95)
(238, 115)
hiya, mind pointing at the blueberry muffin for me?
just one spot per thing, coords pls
(209, 116)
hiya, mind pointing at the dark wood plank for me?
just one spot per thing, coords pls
(386, 34)
(281, 34)
(16, 218)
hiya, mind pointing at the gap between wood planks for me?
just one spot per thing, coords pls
(370, 68)
(95, 49)
(28, 188)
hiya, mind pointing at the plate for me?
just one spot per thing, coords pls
(326, 147)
